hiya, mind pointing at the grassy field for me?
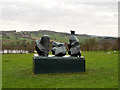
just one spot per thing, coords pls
(101, 72)
(12, 39)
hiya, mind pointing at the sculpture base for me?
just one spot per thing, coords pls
(53, 64)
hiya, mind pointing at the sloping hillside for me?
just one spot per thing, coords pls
(10, 37)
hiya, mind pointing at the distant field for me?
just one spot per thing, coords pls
(12, 39)
(101, 72)
(8, 39)
(56, 37)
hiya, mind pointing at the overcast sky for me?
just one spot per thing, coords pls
(93, 18)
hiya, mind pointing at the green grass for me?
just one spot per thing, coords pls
(101, 72)
(1, 71)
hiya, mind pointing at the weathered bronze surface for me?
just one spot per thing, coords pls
(73, 45)
(58, 49)
(42, 45)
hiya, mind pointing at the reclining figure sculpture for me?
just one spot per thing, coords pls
(58, 49)
(53, 64)
(73, 45)
(42, 45)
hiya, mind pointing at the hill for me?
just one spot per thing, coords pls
(13, 37)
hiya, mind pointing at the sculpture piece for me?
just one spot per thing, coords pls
(51, 64)
(42, 45)
(58, 49)
(73, 45)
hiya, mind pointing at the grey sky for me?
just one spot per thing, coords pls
(94, 18)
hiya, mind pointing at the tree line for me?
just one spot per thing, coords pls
(87, 45)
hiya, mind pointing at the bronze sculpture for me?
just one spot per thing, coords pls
(73, 45)
(58, 49)
(58, 64)
(42, 45)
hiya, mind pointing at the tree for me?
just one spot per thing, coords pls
(89, 44)
(16, 38)
(106, 45)
(86, 45)
(118, 43)
(3, 47)
(115, 45)
(24, 46)
(33, 43)
(18, 43)
(24, 40)
(92, 43)
(8, 37)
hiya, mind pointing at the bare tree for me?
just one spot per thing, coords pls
(92, 43)
(106, 45)
(115, 45)
(89, 44)
(118, 43)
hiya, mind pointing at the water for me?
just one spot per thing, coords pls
(14, 51)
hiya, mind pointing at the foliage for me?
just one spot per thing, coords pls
(89, 44)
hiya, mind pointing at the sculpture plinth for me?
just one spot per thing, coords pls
(53, 64)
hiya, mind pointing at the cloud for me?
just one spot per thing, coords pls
(84, 17)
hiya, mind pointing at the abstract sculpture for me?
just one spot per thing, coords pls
(58, 49)
(42, 45)
(59, 64)
(73, 45)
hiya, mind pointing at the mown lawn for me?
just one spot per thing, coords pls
(101, 72)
